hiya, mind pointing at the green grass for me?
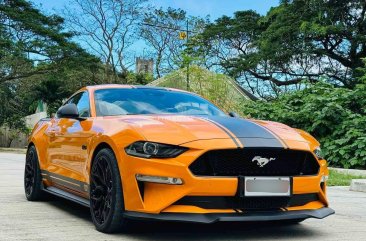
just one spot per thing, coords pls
(14, 150)
(340, 179)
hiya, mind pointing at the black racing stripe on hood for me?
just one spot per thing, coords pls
(249, 133)
(223, 129)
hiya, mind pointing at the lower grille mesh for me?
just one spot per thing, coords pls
(248, 203)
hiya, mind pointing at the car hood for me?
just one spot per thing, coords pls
(177, 130)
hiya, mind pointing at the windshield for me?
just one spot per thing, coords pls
(112, 102)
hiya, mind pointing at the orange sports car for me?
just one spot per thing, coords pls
(137, 152)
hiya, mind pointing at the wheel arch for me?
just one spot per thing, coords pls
(103, 143)
(39, 156)
(117, 218)
(31, 143)
(99, 147)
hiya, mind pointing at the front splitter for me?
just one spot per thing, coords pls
(252, 216)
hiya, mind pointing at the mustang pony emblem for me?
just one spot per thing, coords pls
(262, 161)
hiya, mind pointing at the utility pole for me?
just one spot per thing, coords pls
(187, 77)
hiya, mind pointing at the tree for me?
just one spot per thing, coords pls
(34, 48)
(161, 29)
(38, 61)
(330, 34)
(32, 43)
(298, 40)
(107, 28)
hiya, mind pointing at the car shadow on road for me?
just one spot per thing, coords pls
(222, 231)
(69, 207)
(190, 231)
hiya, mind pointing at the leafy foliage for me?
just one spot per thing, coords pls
(32, 43)
(39, 61)
(335, 116)
(11, 108)
(161, 29)
(312, 40)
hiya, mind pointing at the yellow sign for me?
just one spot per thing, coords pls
(182, 35)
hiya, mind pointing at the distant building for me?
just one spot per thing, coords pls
(144, 66)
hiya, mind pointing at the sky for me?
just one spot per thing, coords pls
(202, 8)
(199, 8)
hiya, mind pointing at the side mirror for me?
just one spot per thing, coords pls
(68, 111)
(234, 114)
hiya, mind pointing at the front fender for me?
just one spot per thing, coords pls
(117, 142)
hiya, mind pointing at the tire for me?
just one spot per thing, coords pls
(32, 176)
(106, 196)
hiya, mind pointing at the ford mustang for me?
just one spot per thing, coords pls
(147, 153)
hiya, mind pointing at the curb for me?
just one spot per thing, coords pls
(355, 172)
(13, 150)
(358, 185)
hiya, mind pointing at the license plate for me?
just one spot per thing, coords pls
(267, 186)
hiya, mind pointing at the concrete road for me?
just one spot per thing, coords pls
(57, 219)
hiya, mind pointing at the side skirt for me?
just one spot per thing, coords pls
(66, 195)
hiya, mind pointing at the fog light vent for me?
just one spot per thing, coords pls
(158, 179)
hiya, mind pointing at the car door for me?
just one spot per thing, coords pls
(68, 143)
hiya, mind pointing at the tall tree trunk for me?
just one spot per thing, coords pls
(157, 66)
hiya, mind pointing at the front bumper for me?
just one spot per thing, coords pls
(232, 217)
(156, 198)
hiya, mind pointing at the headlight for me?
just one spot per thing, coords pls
(318, 153)
(147, 149)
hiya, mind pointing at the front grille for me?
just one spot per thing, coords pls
(248, 203)
(239, 162)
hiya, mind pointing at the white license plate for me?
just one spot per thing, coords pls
(267, 186)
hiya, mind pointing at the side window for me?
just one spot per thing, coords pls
(81, 101)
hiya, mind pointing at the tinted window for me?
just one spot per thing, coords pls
(110, 102)
(81, 101)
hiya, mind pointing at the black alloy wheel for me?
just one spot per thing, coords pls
(32, 176)
(29, 174)
(106, 197)
(101, 189)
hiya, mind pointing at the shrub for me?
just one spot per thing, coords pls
(335, 116)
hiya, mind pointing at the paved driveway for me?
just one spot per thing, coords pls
(57, 219)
